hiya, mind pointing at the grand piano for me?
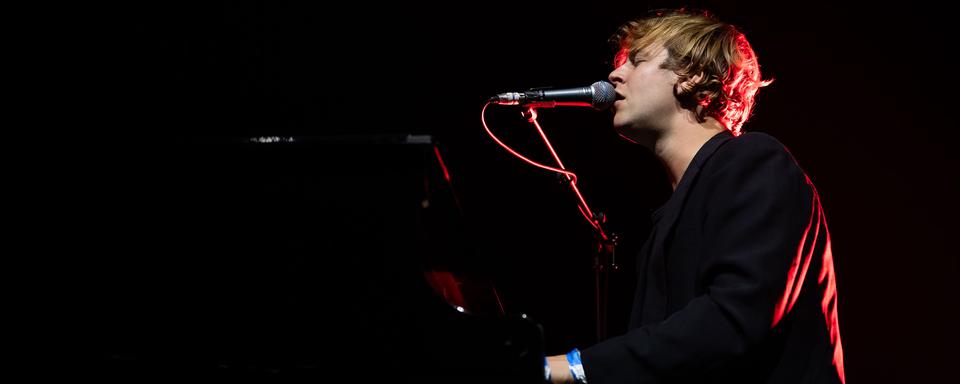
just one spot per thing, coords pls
(316, 257)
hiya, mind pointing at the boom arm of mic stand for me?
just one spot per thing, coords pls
(605, 256)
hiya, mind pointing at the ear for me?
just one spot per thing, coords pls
(687, 85)
(702, 98)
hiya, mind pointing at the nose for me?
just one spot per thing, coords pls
(616, 76)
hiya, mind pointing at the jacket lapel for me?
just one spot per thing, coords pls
(673, 206)
(665, 219)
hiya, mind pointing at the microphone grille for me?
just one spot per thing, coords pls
(603, 95)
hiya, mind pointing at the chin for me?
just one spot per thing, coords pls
(619, 124)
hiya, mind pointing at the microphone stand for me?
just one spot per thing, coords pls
(604, 258)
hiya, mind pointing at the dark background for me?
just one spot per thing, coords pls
(860, 97)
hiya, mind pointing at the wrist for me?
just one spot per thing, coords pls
(559, 369)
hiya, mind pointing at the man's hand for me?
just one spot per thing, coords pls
(559, 370)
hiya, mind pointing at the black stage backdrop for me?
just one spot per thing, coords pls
(860, 97)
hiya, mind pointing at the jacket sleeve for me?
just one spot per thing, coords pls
(758, 205)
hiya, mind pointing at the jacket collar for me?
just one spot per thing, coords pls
(670, 211)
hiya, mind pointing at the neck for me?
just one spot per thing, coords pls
(679, 144)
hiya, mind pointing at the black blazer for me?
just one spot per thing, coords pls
(736, 280)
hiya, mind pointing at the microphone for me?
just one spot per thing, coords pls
(599, 95)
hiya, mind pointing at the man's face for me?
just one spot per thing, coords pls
(645, 93)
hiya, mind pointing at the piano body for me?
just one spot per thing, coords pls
(314, 257)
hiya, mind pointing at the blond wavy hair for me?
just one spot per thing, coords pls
(714, 54)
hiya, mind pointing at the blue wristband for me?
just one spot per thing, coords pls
(546, 370)
(576, 367)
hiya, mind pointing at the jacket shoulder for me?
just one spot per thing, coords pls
(754, 146)
(757, 141)
(757, 157)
